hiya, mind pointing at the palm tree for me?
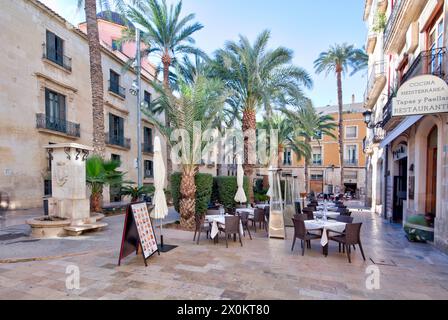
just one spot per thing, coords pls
(308, 125)
(196, 102)
(166, 34)
(255, 75)
(338, 59)
(96, 70)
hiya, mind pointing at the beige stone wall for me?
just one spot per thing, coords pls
(24, 77)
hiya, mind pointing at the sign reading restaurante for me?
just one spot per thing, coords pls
(424, 94)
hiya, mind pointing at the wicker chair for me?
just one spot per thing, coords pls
(351, 237)
(213, 212)
(260, 218)
(201, 226)
(345, 219)
(232, 227)
(298, 207)
(241, 206)
(245, 222)
(230, 211)
(309, 213)
(267, 212)
(301, 233)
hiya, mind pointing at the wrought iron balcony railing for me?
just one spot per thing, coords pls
(117, 89)
(393, 18)
(147, 147)
(118, 141)
(54, 56)
(375, 83)
(60, 125)
(428, 62)
(148, 174)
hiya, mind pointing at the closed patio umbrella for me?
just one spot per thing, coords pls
(271, 181)
(160, 210)
(240, 196)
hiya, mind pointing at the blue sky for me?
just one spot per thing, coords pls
(307, 27)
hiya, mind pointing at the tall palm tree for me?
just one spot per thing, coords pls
(199, 101)
(96, 70)
(338, 59)
(252, 71)
(167, 35)
(308, 125)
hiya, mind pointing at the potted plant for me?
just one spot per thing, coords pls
(99, 173)
(136, 192)
(417, 229)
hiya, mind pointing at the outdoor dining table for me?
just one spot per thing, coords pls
(325, 226)
(262, 205)
(329, 214)
(251, 211)
(217, 220)
(329, 208)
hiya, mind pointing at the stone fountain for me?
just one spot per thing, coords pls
(69, 206)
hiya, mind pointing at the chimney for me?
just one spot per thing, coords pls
(353, 99)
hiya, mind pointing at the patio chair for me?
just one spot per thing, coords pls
(267, 211)
(213, 212)
(298, 207)
(258, 217)
(241, 206)
(309, 213)
(301, 216)
(351, 237)
(344, 212)
(230, 211)
(345, 219)
(201, 226)
(312, 208)
(232, 227)
(245, 222)
(301, 233)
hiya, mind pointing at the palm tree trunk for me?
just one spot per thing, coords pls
(96, 79)
(187, 203)
(249, 122)
(95, 202)
(341, 127)
(166, 60)
(306, 168)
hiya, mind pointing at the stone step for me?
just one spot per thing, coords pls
(79, 229)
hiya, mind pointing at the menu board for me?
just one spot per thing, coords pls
(138, 232)
(145, 229)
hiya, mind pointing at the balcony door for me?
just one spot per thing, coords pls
(431, 174)
(435, 43)
(116, 129)
(55, 112)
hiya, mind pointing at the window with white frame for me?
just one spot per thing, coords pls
(351, 132)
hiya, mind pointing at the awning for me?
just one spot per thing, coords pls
(402, 127)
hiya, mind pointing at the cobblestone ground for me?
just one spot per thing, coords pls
(261, 269)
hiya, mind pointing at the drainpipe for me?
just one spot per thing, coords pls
(386, 167)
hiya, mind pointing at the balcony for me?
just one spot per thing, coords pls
(375, 84)
(427, 62)
(351, 162)
(58, 125)
(147, 147)
(148, 174)
(378, 135)
(117, 89)
(404, 12)
(54, 56)
(118, 141)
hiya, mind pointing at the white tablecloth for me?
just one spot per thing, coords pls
(329, 208)
(325, 225)
(330, 214)
(262, 205)
(250, 210)
(214, 220)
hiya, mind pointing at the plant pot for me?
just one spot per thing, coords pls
(417, 233)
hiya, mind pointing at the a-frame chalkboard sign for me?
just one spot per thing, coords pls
(138, 232)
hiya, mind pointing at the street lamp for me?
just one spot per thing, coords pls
(135, 90)
(367, 117)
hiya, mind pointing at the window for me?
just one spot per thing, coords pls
(147, 139)
(317, 176)
(148, 169)
(55, 48)
(116, 45)
(55, 111)
(116, 130)
(351, 132)
(317, 156)
(114, 84)
(115, 157)
(287, 157)
(147, 99)
(350, 175)
(351, 154)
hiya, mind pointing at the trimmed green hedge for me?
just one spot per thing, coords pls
(226, 188)
(204, 185)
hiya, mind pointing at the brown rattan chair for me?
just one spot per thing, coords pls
(241, 206)
(345, 219)
(213, 212)
(267, 212)
(232, 227)
(309, 213)
(259, 218)
(244, 215)
(301, 233)
(201, 226)
(350, 237)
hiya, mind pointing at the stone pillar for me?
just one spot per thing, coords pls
(441, 220)
(68, 174)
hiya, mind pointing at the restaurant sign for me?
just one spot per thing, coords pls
(426, 94)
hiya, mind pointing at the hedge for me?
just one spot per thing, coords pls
(226, 188)
(204, 184)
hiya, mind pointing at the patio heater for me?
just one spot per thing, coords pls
(296, 194)
(289, 210)
(276, 219)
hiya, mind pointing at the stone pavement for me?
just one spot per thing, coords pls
(261, 269)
